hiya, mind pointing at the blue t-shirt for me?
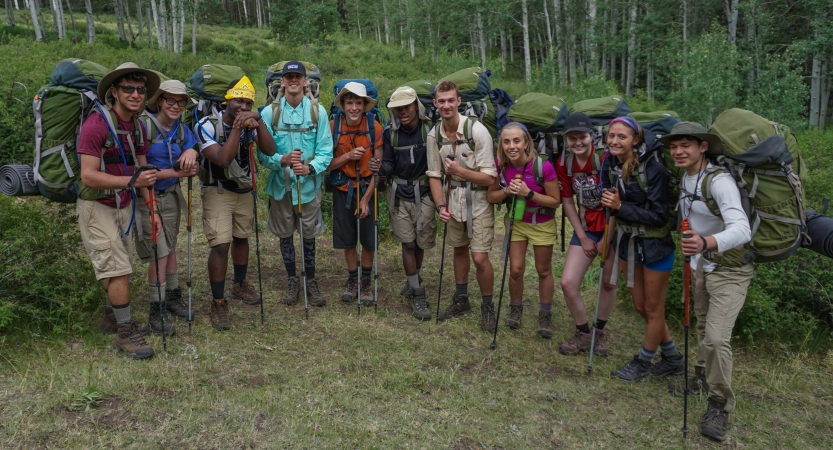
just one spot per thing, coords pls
(159, 157)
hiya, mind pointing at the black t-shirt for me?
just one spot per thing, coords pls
(397, 163)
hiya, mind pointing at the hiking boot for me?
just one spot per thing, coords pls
(696, 384)
(545, 324)
(293, 286)
(219, 314)
(314, 293)
(488, 312)
(459, 306)
(635, 370)
(108, 322)
(245, 292)
(580, 342)
(130, 340)
(419, 304)
(599, 346)
(515, 313)
(351, 290)
(715, 421)
(174, 303)
(366, 295)
(668, 365)
(158, 320)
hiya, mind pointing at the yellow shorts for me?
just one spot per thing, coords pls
(540, 234)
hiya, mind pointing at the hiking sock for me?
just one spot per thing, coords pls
(461, 289)
(413, 280)
(487, 300)
(288, 254)
(546, 306)
(600, 324)
(153, 293)
(107, 299)
(367, 271)
(309, 257)
(353, 273)
(310, 271)
(290, 270)
(240, 273)
(668, 348)
(646, 355)
(584, 328)
(218, 290)
(172, 280)
(122, 313)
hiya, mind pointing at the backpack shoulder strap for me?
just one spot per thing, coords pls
(538, 170)
(706, 188)
(276, 113)
(313, 113)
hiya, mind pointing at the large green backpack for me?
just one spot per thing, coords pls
(275, 72)
(60, 108)
(208, 86)
(601, 111)
(473, 85)
(763, 158)
(544, 116)
(658, 122)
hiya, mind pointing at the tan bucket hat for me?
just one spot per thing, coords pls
(358, 90)
(152, 83)
(173, 87)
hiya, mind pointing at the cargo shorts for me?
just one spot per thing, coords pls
(403, 220)
(170, 206)
(226, 215)
(483, 232)
(108, 249)
(283, 217)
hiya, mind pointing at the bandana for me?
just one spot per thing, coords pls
(243, 89)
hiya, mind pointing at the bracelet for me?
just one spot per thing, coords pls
(705, 244)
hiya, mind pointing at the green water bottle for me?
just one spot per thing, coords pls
(520, 204)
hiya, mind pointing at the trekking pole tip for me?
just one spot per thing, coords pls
(493, 345)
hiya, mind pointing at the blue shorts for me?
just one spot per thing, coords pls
(664, 265)
(595, 236)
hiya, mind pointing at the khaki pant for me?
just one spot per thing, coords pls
(483, 232)
(283, 217)
(403, 220)
(226, 215)
(102, 232)
(170, 206)
(717, 308)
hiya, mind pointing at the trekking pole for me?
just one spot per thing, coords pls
(359, 237)
(563, 223)
(511, 213)
(684, 226)
(188, 227)
(376, 245)
(303, 256)
(599, 294)
(152, 206)
(445, 233)
(247, 143)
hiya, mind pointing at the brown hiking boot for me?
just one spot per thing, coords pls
(545, 324)
(293, 286)
(715, 421)
(246, 293)
(108, 322)
(174, 303)
(515, 313)
(459, 306)
(130, 341)
(488, 319)
(580, 342)
(366, 295)
(599, 346)
(314, 293)
(219, 314)
(351, 290)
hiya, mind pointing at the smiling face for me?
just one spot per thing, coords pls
(621, 140)
(688, 153)
(513, 145)
(447, 103)
(130, 102)
(171, 112)
(353, 108)
(294, 84)
(235, 106)
(408, 115)
(579, 142)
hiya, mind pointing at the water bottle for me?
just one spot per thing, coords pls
(520, 203)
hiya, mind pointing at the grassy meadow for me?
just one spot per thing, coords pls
(377, 380)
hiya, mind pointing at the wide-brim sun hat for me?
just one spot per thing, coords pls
(152, 83)
(358, 90)
(685, 129)
(173, 87)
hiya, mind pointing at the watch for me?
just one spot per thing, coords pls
(530, 195)
(311, 169)
(439, 207)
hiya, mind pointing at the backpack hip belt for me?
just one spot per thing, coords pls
(634, 231)
(417, 184)
(469, 187)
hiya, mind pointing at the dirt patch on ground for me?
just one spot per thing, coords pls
(113, 412)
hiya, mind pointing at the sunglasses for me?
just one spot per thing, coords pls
(172, 101)
(129, 89)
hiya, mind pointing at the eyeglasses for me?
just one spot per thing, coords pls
(129, 89)
(172, 101)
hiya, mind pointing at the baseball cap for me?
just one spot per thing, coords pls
(294, 67)
(578, 122)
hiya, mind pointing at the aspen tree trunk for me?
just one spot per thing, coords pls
(613, 28)
(163, 19)
(55, 25)
(549, 29)
(90, 21)
(411, 46)
(685, 42)
(140, 19)
(157, 24)
(378, 31)
(35, 23)
(527, 62)
(129, 24)
(502, 50)
(387, 25)
(150, 32)
(815, 92)
(592, 66)
(119, 20)
(825, 96)
(259, 10)
(571, 49)
(562, 66)
(9, 13)
(482, 39)
(246, 12)
(511, 48)
(604, 49)
(649, 78)
(194, 27)
(39, 8)
(269, 12)
(623, 57)
(631, 51)
(181, 41)
(72, 19)
(730, 7)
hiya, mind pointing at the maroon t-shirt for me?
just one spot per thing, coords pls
(94, 133)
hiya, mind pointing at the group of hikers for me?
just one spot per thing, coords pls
(446, 172)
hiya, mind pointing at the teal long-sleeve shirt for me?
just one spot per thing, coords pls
(316, 146)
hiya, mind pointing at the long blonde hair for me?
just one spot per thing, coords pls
(629, 166)
(530, 151)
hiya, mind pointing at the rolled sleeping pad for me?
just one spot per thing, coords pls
(18, 180)
(820, 229)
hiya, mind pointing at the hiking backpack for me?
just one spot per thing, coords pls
(544, 116)
(497, 116)
(273, 81)
(658, 123)
(601, 111)
(473, 85)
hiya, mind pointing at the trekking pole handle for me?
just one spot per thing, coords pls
(137, 172)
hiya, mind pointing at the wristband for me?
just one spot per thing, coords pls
(705, 244)
(439, 207)
(530, 195)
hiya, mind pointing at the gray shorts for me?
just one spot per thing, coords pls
(283, 217)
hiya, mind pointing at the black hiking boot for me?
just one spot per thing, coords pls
(419, 304)
(488, 319)
(159, 320)
(459, 306)
(314, 293)
(515, 314)
(669, 365)
(293, 286)
(174, 303)
(545, 324)
(635, 370)
(351, 290)
(715, 421)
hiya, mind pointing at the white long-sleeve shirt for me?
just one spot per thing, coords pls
(731, 229)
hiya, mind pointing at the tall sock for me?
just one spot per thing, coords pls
(309, 257)
(153, 293)
(584, 328)
(240, 273)
(413, 280)
(172, 280)
(107, 299)
(218, 290)
(668, 348)
(353, 273)
(487, 300)
(290, 270)
(288, 254)
(600, 324)
(461, 289)
(310, 271)
(546, 306)
(647, 355)
(122, 313)
(366, 271)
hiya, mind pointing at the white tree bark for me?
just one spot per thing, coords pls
(411, 46)
(140, 19)
(527, 61)
(571, 49)
(592, 64)
(129, 24)
(149, 21)
(259, 9)
(623, 57)
(269, 12)
(815, 92)
(246, 11)
(35, 23)
(511, 48)
(502, 50)
(631, 51)
(9, 13)
(117, 10)
(730, 7)
(549, 29)
(194, 26)
(387, 25)
(157, 24)
(562, 61)
(90, 21)
(482, 39)
(825, 96)
(182, 24)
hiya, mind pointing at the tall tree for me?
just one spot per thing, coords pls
(90, 21)
(730, 7)
(35, 23)
(525, 27)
